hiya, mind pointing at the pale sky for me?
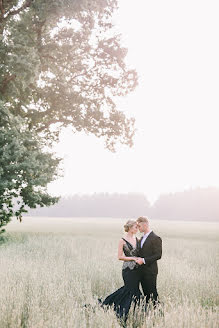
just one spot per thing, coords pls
(174, 47)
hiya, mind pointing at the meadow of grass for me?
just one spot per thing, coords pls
(51, 267)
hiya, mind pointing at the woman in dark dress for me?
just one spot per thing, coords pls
(129, 294)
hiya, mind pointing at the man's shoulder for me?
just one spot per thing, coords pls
(154, 235)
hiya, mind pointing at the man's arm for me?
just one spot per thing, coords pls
(157, 250)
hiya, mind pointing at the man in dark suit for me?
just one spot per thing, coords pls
(150, 250)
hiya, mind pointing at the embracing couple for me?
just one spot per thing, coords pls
(139, 267)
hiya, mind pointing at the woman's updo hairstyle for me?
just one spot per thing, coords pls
(129, 224)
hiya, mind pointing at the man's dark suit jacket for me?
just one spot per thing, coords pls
(151, 252)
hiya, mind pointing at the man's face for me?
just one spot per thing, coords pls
(141, 226)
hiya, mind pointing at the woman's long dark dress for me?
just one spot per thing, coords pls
(124, 297)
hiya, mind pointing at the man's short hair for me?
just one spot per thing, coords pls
(142, 219)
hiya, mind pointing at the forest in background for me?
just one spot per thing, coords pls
(193, 204)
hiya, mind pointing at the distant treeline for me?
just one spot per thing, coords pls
(97, 205)
(194, 204)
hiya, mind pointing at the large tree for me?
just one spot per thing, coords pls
(62, 64)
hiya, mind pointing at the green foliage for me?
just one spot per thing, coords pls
(25, 169)
(61, 64)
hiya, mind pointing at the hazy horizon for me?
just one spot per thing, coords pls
(195, 204)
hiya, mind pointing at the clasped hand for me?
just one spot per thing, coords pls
(139, 260)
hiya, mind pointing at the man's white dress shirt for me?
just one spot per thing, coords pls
(145, 237)
(143, 240)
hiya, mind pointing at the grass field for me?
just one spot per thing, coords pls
(51, 267)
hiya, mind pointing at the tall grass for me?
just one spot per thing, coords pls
(50, 268)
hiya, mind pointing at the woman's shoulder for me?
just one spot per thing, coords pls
(122, 241)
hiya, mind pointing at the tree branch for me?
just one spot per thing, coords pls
(25, 5)
(47, 124)
(1, 7)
